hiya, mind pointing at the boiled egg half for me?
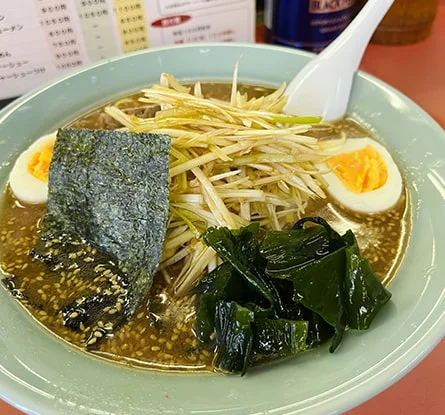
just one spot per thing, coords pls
(362, 176)
(29, 176)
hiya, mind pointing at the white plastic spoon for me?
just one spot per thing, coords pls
(323, 86)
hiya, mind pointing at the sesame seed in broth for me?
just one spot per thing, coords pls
(160, 339)
(163, 338)
(160, 334)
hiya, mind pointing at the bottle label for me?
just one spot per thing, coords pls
(309, 24)
(329, 6)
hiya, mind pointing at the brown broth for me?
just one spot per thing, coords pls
(160, 334)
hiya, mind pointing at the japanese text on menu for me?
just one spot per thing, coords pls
(42, 39)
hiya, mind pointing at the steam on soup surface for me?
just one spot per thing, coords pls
(161, 334)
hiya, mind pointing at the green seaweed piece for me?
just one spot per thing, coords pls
(364, 293)
(108, 192)
(299, 246)
(279, 337)
(222, 283)
(318, 285)
(240, 248)
(319, 331)
(234, 337)
(317, 280)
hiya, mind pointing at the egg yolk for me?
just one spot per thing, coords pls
(38, 165)
(360, 171)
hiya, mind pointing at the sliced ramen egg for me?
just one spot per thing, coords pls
(362, 176)
(29, 176)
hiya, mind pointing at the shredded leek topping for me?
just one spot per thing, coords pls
(231, 163)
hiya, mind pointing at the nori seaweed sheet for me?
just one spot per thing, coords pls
(108, 193)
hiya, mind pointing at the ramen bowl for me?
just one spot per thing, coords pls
(40, 373)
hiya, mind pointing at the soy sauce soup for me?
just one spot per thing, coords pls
(161, 334)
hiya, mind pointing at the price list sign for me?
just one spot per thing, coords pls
(43, 39)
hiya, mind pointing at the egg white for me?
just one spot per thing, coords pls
(26, 187)
(373, 201)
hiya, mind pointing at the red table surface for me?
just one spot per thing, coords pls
(419, 72)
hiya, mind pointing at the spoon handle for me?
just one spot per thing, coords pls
(324, 85)
(353, 41)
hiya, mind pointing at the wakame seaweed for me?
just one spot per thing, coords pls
(234, 337)
(315, 282)
(106, 222)
(240, 249)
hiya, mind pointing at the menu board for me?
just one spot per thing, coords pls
(43, 39)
